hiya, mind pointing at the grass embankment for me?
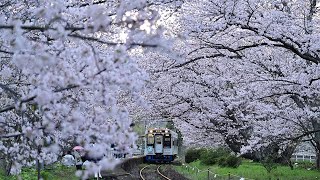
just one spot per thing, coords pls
(56, 171)
(248, 170)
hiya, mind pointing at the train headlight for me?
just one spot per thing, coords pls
(151, 131)
(166, 131)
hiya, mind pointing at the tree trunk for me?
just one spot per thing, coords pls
(316, 141)
(318, 161)
(8, 167)
(38, 169)
(285, 156)
(317, 148)
(38, 164)
(317, 154)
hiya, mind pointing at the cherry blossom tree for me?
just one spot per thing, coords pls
(250, 74)
(64, 67)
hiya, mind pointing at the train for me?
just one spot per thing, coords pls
(161, 145)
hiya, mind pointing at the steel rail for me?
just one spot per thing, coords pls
(158, 171)
(141, 172)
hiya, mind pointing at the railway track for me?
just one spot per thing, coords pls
(151, 173)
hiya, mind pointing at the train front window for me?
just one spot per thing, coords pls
(150, 139)
(167, 141)
(158, 139)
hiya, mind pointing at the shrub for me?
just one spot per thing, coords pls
(222, 162)
(213, 156)
(193, 155)
(28, 173)
(219, 156)
(46, 175)
(209, 157)
(232, 161)
(222, 152)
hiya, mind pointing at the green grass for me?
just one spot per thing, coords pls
(56, 171)
(249, 170)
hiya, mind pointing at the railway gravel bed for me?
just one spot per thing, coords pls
(133, 166)
(168, 171)
(130, 170)
(150, 173)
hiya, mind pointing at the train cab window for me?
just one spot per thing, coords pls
(167, 141)
(150, 139)
(158, 139)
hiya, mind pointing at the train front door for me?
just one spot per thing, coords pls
(158, 144)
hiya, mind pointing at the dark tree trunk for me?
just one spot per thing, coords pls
(285, 156)
(318, 155)
(233, 143)
(318, 160)
(8, 167)
(39, 164)
(316, 142)
(38, 169)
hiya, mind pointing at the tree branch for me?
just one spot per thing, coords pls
(9, 91)
(11, 135)
(196, 59)
(305, 134)
(284, 44)
(6, 52)
(11, 107)
(44, 28)
(110, 43)
(313, 80)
